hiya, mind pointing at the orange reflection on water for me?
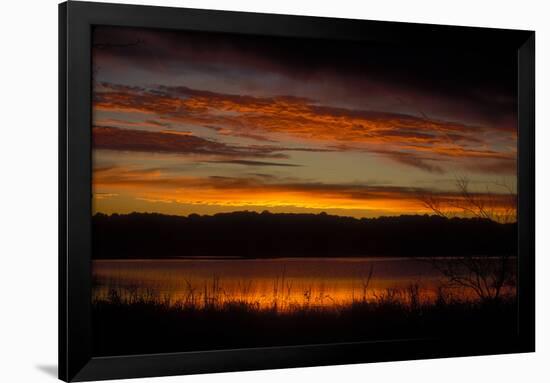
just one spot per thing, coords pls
(283, 284)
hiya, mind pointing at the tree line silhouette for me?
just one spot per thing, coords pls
(262, 235)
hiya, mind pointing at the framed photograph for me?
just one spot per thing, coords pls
(247, 191)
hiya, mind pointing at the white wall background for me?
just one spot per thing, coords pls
(28, 192)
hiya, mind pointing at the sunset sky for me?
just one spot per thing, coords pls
(205, 123)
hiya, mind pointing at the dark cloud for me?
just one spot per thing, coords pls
(254, 163)
(416, 162)
(444, 81)
(171, 142)
(178, 142)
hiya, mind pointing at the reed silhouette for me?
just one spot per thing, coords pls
(135, 322)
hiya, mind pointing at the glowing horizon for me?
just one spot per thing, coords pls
(187, 123)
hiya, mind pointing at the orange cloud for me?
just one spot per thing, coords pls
(301, 119)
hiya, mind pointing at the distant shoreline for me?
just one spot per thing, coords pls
(247, 235)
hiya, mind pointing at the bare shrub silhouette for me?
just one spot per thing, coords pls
(486, 276)
(498, 202)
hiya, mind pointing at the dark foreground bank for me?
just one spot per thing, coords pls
(153, 326)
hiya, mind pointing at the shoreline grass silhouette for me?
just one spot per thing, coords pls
(149, 323)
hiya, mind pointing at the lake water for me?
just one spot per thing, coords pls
(285, 281)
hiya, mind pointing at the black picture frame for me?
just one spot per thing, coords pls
(76, 20)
